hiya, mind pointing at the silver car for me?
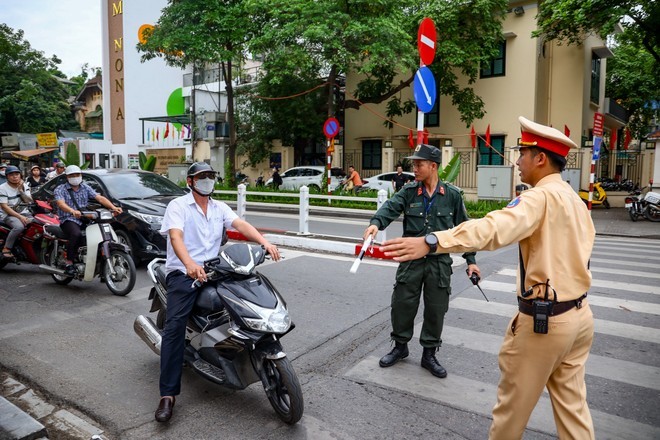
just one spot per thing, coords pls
(384, 181)
(310, 175)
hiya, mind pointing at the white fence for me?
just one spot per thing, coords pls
(303, 206)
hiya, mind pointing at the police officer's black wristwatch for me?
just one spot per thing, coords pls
(431, 241)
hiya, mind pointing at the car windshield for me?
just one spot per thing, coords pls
(140, 186)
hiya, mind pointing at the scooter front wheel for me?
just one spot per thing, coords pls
(606, 204)
(119, 273)
(284, 391)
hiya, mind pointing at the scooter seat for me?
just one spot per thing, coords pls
(161, 274)
(208, 301)
(55, 231)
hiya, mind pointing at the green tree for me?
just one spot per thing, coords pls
(32, 97)
(572, 20)
(377, 40)
(147, 163)
(72, 156)
(202, 33)
(632, 80)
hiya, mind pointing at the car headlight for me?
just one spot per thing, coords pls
(275, 321)
(149, 218)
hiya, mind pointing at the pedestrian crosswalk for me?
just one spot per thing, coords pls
(623, 370)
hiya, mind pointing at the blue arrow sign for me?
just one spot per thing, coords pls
(424, 89)
(597, 142)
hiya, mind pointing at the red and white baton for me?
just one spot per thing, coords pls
(365, 247)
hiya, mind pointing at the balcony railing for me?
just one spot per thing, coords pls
(612, 108)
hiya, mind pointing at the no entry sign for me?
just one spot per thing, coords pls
(331, 127)
(426, 38)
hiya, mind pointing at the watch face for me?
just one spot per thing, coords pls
(431, 240)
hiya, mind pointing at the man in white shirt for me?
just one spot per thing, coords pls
(194, 226)
(58, 171)
(13, 192)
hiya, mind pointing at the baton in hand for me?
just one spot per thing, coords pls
(475, 280)
(365, 247)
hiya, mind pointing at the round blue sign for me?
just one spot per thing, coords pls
(331, 127)
(424, 89)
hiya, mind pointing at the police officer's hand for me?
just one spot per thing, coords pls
(473, 268)
(405, 248)
(196, 272)
(371, 230)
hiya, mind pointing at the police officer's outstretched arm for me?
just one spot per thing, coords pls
(253, 235)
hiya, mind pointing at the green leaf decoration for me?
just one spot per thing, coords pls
(450, 172)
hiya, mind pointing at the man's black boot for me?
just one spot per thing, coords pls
(431, 363)
(400, 351)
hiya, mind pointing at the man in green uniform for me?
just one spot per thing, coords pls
(428, 205)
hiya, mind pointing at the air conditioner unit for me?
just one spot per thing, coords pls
(214, 117)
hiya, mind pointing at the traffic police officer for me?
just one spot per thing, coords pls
(548, 341)
(428, 205)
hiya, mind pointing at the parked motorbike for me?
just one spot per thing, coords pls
(233, 335)
(647, 206)
(599, 196)
(102, 255)
(29, 247)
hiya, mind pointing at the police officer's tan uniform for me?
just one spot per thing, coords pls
(556, 237)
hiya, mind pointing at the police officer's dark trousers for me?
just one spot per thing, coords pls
(180, 301)
(432, 276)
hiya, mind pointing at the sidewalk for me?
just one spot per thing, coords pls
(16, 424)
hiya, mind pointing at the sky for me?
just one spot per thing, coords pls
(70, 29)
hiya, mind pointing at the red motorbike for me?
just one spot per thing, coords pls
(30, 247)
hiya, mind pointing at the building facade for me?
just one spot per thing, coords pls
(558, 85)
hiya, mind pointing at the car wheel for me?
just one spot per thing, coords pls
(123, 238)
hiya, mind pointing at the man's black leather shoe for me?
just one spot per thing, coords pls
(165, 408)
(431, 363)
(400, 351)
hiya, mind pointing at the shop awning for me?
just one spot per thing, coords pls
(27, 154)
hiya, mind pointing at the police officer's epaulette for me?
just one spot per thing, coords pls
(412, 184)
(454, 188)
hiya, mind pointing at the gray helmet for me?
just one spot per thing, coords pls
(426, 152)
(200, 167)
(12, 169)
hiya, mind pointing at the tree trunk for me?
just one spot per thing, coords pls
(231, 149)
(331, 90)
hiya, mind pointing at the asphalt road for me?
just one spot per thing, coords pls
(76, 345)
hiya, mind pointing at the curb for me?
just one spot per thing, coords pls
(25, 415)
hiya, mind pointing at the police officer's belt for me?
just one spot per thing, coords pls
(525, 306)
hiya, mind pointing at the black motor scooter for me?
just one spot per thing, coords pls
(233, 335)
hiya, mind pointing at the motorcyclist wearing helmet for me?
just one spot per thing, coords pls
(194, 225)
(13, 192)
(72, 197)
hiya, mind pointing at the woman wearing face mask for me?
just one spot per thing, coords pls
(72, 197)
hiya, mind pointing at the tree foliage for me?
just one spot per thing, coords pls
(377, 40)
(32, 99)
(633, 81)
(72, 156)
(198, 33)
(147, 163)
(572, 20)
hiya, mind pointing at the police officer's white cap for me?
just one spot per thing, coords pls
(542, 136)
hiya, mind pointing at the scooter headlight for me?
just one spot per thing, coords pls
(274, 321)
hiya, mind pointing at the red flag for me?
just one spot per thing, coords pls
(158, 133)
(473, 137)
(425, 136)
(167, 130)
(613, 140)
(411, 142)
(626, 139)
(567, 132)
(488, 135)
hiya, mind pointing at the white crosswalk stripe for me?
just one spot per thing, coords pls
(622, 310)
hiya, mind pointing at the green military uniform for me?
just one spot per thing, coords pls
(423, 214)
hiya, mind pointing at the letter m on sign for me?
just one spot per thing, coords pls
(117, 8)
